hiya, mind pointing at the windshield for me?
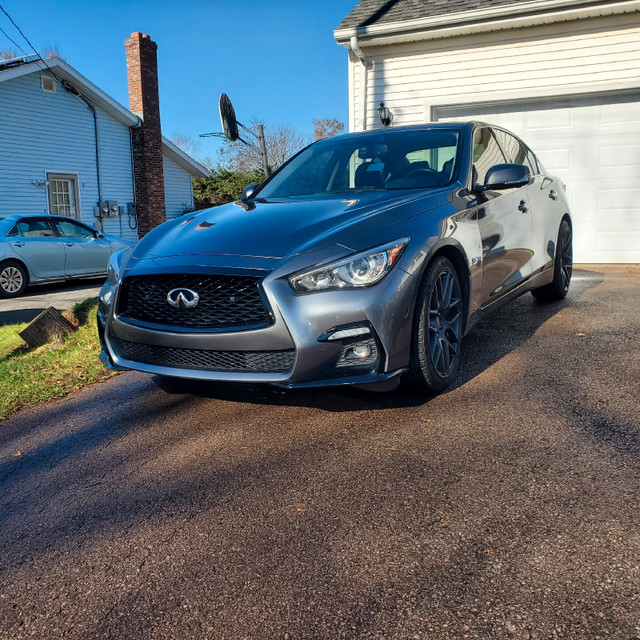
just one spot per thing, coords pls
(415, 159)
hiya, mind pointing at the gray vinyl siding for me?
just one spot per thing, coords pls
(178, 188)
(42, 133)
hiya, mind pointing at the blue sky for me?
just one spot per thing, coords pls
(277, 61)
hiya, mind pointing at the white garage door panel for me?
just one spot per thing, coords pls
(593, 145)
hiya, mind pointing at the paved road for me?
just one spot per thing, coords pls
(61, 295)
(505, 508)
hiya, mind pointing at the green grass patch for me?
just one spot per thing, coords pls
(52, 371)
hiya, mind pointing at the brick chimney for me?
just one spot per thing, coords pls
(142, 73)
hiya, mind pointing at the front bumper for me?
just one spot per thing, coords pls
(296, 350)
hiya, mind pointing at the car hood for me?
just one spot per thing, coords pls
(279, 228)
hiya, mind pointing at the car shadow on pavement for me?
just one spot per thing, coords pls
(493, 338)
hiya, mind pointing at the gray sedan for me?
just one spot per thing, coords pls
(365, 257)
(44, 248)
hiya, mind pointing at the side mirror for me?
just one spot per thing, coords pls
(506, 176)
(247, 192)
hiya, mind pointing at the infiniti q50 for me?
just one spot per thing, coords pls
(364, 258)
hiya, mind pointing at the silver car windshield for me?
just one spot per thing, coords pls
(391, 160)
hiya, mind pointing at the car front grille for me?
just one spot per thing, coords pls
(203, 359)
(226, 302)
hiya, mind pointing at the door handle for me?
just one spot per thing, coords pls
(523, 206)
(553, 195)
(68, 244)
(18, 244)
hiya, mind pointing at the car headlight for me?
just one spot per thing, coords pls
(114, 267)
(360, 270)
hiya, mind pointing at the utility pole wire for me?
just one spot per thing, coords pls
(6, 35)
(19, 31)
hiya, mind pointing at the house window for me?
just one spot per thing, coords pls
(63, 195)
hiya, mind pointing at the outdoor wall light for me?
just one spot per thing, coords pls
(385, 115)
(39, 183)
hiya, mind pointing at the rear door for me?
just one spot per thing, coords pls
(504, 222)
(86, 253)
(35, 243)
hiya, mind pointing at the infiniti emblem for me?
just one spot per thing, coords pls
(183, 298)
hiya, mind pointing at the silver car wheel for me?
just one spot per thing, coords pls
(12, 281)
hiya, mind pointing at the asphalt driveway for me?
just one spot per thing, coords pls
(504, 508)
(61, 295)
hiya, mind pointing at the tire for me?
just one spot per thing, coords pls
(437, 328)
(558, 288)
(13, 279)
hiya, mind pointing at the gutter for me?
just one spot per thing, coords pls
(524, 14)
(355, 47)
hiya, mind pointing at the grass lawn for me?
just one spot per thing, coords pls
(51, 371)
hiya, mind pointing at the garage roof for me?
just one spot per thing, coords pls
(379, 22)
(368, 12)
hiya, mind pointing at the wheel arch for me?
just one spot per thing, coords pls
(458, 257)
(4, 261)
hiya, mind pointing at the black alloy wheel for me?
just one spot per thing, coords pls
(13, 279)
(438, 327)
(558, 288)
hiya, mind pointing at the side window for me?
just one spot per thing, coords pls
(14, 232)
(531, 162)
(70, 229)
(515, 151)
(33, 228)
(486, 153)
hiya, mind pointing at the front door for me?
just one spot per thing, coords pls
(86, 252)
(504, 222)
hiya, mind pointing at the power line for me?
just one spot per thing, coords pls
(20, 32)
(6, 35)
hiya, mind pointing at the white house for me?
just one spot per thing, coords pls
(562, 74)
(68, 148)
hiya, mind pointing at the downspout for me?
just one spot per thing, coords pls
(355, 47)
(98, 168)
(69, 88)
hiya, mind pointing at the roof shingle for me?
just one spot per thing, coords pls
(369, 12)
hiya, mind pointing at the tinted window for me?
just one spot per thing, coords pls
(515, 151)
(486, 153)
(70, 229)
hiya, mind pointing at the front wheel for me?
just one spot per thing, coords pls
(437, 328)
(13, 279)
(558, 288)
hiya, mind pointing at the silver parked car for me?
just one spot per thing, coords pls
(44, 248)
(365, 257)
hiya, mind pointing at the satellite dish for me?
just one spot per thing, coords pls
(228, 118)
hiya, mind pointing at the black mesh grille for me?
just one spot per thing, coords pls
(247, 361)
(226, 302)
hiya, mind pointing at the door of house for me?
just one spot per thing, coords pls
(63, 195)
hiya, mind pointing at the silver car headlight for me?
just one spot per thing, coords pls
(360, 270)
(114, 266)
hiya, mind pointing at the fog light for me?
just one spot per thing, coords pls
(363, 353)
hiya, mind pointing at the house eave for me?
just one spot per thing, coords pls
(185, 161)
(522, 14)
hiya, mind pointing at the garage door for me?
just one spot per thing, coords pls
(593, 145)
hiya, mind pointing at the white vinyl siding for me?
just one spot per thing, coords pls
(561, 59)
(178, 188)
(43, 133)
